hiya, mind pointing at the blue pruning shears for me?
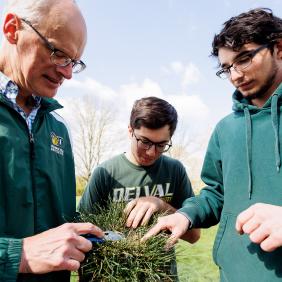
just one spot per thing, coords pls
(109, 236)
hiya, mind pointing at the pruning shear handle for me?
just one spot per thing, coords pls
(109, 236)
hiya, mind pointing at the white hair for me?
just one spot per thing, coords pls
(29, 9)
(32, 10)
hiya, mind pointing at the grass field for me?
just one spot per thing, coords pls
(194, 262)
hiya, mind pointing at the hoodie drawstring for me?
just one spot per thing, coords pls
(275, 125)
(249, 147)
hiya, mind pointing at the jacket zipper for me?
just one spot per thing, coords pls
(31, 141)
(34, 194)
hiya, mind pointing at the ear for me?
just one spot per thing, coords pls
(279, 48)
(10, 27)
(130, 130)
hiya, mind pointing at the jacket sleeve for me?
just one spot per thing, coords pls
(10, 257)
(205, 209)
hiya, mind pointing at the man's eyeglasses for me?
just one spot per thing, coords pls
(240, 63)
(146, 144)
(58, 57)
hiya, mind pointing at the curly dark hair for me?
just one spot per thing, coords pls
(258, 26)
(153, 113)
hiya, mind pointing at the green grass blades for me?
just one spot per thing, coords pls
(127, 259)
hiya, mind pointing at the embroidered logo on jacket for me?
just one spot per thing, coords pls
(57, 144)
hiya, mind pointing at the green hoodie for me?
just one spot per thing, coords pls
(242, 167)
(37, 183)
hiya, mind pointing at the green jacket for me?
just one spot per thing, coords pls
(37, 183)
(242, 167)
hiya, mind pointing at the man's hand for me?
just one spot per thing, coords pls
(176, 223)
(60, 248)
(141, 209)
(263, 222)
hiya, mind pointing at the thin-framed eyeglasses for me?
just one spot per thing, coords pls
(58, 57)
(146, 144)
(240, 63)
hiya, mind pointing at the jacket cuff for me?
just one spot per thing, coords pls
(188, 217)
(14, 252)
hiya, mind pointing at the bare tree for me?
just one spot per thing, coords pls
(189, 148)
(90, 138)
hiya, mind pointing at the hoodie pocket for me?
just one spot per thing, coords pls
(241, 260)
(219, 236)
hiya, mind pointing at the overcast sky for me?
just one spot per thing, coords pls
(157, 47)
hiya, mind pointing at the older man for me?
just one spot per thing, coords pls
(42, 45)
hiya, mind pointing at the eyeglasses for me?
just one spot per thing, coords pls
(58, 57)
(240, 63)
(146, 144)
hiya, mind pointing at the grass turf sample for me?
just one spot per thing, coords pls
(127, 259)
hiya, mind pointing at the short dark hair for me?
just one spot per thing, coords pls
(258, 26)
(153, 113)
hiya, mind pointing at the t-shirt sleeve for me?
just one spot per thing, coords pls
(183, 187)
(96, 191)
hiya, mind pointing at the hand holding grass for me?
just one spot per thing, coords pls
(139, 211)
(176, 223)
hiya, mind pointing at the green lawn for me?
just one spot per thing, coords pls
(74, 278)
(194, 262)
(77, 199)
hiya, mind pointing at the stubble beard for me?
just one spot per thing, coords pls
(264, 89)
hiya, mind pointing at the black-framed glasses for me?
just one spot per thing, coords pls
(146, 144)
(58, 57)
(240, 63)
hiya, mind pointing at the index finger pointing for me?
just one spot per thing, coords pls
(153, 231)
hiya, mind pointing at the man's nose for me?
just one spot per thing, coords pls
(65, 71)
(151, 151)
(235, 74)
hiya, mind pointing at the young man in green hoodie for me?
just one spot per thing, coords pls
(42, 43)
(242, 167)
